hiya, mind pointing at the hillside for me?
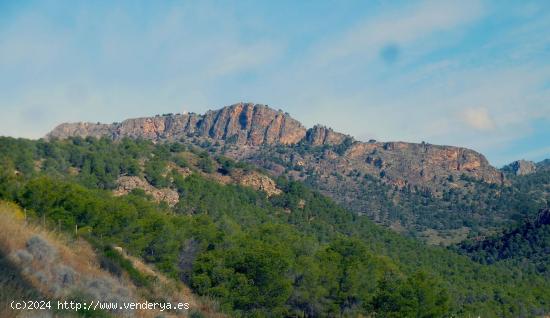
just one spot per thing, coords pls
(258, 244)
(527, 245)
(422, 189)
(48, 265)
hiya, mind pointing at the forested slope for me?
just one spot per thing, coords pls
(527, 245)
(296, 253)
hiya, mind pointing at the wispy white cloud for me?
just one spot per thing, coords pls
(478, 118)
(236, 58)
(399, 27)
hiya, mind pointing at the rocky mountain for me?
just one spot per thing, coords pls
(248, 128)
(402, 185)
(243, 124)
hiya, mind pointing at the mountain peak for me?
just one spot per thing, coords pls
(241, 123)
(252, 124)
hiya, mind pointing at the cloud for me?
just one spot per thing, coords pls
(236, 58)
(478, 118)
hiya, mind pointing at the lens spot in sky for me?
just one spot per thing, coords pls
(390, 53)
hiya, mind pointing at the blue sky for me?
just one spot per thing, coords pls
(466, 73)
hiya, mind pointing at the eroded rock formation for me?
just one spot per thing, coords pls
(242, 123)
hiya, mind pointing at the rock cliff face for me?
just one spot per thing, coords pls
(246, 126)
(409, 163)
(321, 135)
(521, 167)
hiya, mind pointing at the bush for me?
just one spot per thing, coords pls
(116, 263)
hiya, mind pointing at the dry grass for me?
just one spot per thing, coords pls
(78, 257)
(12, 286)
(15, 232)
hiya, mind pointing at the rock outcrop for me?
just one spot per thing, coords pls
(259, 182)
(408, 163)
(321, 135)
(521, 167)
(127, 183)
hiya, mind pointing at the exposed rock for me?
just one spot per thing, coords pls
(321, 135)
(126, 184)
(242, 123)
(82, 130)
(424, 163)
(73, 171)
(182, 171)
(259, 182)
(521, 167)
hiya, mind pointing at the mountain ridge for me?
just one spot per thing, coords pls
(248, 126)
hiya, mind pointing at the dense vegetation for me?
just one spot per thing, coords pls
(463, 204)
(293, 254)
(527, 245)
